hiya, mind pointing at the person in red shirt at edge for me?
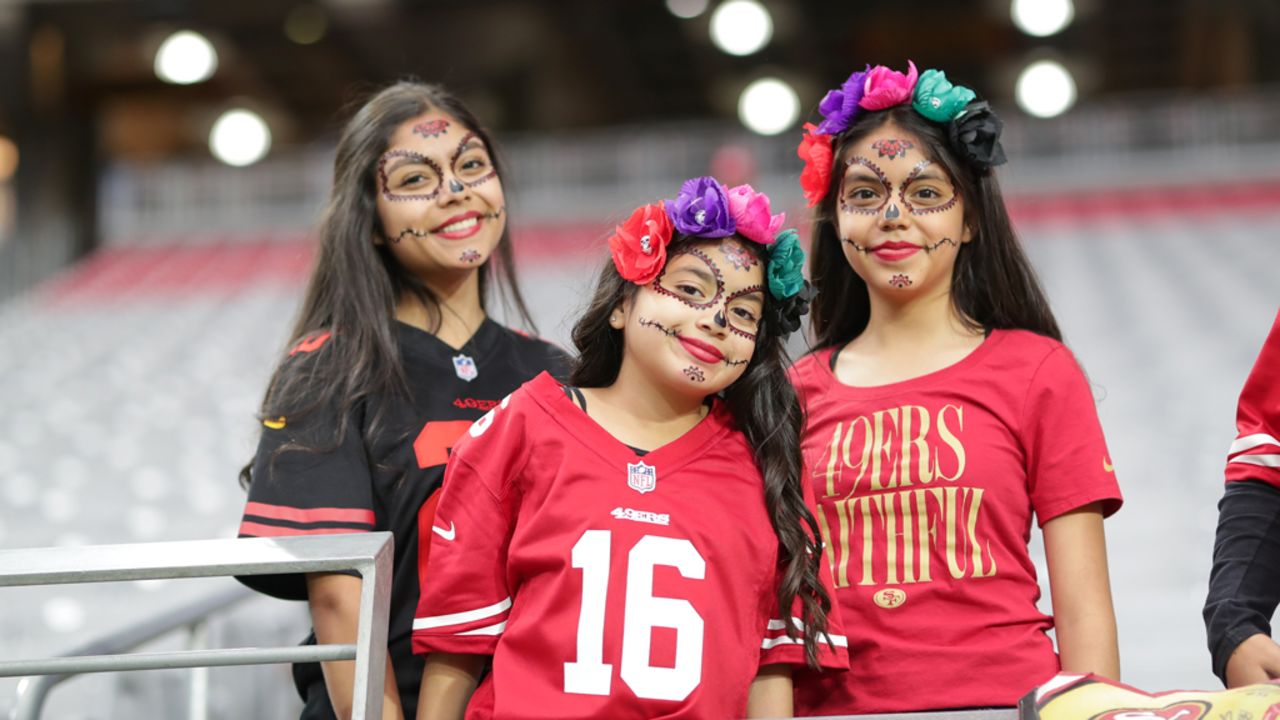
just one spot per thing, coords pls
(943, 410)
(640, 543)
(1244, 584)
(393, 357)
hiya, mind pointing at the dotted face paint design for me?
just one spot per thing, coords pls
(646, 322)
(415, 157)
(737, 255)
(426, 233)
(728, 302)
(884, 180)
(453, 163)
(432, 128)
(470, 255)
(694, 373)
(735, 363)
(902, 193)
(900, 281)
(940, 243)
(856, 247)
(892, 147)
(658, 287)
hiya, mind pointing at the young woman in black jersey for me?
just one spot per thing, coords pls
(392, 357)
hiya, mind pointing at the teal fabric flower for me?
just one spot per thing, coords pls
(939, 100)
(786, 265)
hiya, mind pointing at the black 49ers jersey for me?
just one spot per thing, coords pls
(381, 482)
(605, 584)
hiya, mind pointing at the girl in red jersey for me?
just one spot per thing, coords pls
(393, 357)
(943, 411)
(638, 544)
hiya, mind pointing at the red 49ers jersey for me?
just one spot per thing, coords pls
(605, 584)
(1255, 454)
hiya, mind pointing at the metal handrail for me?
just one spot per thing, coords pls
(370, 554)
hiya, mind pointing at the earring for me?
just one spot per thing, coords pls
(615, 320)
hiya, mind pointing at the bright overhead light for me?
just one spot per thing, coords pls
(1042, 18)
(186, 57)
(1045, 89)
(687, 8)
(741, 27)
(768, 106)
(240, 137)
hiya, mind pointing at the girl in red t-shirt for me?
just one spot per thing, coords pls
(943, 412)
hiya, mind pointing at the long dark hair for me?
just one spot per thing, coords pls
(764, 405)
(993, 284)
(355, 284)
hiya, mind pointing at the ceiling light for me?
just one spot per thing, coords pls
(185, 58)
(768, 106)
(1045, 89)
(741, 27)
(240, 137)
(1042, 18)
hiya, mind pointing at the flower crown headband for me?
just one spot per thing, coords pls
(706, 209)
(972, 127)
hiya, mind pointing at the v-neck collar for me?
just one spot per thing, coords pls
(424, 343)
(580, 426)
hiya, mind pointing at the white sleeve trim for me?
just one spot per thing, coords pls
(1249, 442)
(1269, 461)
(487, 630)
(435, 621)
(770, 643)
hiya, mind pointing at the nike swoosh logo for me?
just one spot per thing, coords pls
(449, 534)
(1106, 465)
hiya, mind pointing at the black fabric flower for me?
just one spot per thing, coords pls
(975, 133)
(787, 312)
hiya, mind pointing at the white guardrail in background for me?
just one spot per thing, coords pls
(369, 554)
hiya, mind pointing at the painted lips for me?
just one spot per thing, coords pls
(895, 251)
(700, 350)
(460, 227)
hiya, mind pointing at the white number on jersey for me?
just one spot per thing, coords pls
(590, 675)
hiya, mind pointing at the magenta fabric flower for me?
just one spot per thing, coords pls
(840, 107)
(886, 88)
(750, 211)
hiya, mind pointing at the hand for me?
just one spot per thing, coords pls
(1255, 660)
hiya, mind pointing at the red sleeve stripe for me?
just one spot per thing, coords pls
(252, 529)
(311, 515)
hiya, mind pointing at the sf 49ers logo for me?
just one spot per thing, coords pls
(1186, 710)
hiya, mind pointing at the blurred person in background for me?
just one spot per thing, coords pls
(943, 409)
(1244, 584)
(392, 357)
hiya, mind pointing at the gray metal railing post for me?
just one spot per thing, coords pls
(198, 700)
(368, 553)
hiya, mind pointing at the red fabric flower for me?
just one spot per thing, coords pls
(639, 245)
(815, 151)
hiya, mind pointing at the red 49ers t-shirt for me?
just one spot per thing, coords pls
(605, 585)
(925, 491)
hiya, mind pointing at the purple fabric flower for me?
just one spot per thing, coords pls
(701, 209)
(840, 107)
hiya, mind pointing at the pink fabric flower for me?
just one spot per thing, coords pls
(750, 211)
(886, 88)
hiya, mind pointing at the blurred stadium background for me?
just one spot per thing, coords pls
(157, 194)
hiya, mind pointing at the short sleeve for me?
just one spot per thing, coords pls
(320, 488)
(1068, 465)
(1255, 453)
(777, 647)
(465, 599)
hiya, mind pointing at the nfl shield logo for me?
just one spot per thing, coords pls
(642, 478)
(465, 367)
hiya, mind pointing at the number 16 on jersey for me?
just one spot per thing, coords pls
(642, 612)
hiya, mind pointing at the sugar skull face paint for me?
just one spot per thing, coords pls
(892, 147)
(701, 312)
(432, 128)
(737, 254)
(902, 224)
(440, 203)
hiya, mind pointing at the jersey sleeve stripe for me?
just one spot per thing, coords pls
(770, 643)
(1249, 442)
(487, 630)
(458, 618)
(252, 529)
(1269, 461)
(309, 515)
